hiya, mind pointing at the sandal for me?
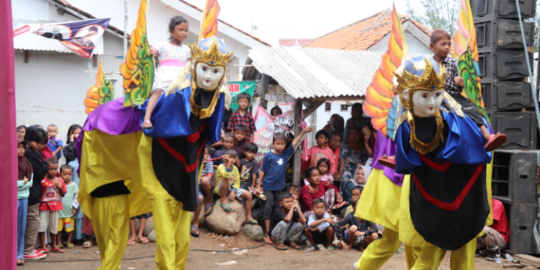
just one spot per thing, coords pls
(294, 245)
(57, 250)
(226, 208)
(330, 248)
(495, 141)
(70, 245)
(268, 240)
(211, 210)
(252, 222)
(45, 251)
(60, 245)
(280, 246)
(20, 262)
(194, 233)
(309, 248)
(87, 244)
(130, 242)
(143, 240)
(150, 126)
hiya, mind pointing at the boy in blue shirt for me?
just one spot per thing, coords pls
(272, 173)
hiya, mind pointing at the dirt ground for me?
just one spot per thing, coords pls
(264, 257)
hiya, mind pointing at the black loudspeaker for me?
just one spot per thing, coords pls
(502, 34)
(514, 175)
(521, 218)
(506, 95)
(520, 127)
(503, 65)
(502, 9)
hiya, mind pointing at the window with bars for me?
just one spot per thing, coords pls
(327, 106)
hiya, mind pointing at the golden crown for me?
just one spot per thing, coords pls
(208, 51)
(428, 81)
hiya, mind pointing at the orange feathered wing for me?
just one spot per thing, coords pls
(138, 68)
(101, 92)
(209, 23)
(379, 94)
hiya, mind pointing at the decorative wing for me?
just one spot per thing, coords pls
(209, 23)
(101, 92)
(379, 93)
(138, 68)
(467, 54)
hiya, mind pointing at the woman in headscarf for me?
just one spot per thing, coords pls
(354, 152)
(361, 176)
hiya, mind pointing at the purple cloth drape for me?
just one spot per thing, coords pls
(385, 146)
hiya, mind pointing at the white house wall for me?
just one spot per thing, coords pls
(414, 45)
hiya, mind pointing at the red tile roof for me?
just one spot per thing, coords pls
(363, 34)
(289, 42)
(197, 8)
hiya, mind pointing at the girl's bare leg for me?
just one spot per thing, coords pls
(150, 107)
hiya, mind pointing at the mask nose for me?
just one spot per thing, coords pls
(431, 101)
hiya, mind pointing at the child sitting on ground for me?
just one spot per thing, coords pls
(323, 165)
(239, 134)
(51, 204)
(287, 223)
(321, 150)
(55, 144)
(318, 190)
(249, 167)
(70, 205)
(355, 232)
(228, 184)
(242, 116)
(228, 143)
(272, 174)
(204, 190)
(319, 226)
(355, 197)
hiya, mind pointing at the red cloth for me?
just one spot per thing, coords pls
(46, 153)
(8, 166)
(315, 153)
(87, 226)
(307, 198)
(51, 199)
(500, 222)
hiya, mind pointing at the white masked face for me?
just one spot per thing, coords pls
(427, 103)
(208, 77)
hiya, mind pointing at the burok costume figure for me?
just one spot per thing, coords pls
(444, 205)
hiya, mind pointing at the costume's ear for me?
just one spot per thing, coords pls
(406, 94)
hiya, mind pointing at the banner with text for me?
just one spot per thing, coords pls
(236, 88)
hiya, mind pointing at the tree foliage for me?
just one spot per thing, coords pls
(436, 14)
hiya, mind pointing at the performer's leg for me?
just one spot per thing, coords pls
(171, 225)
(425, 258)
(380, 251)
(110, 220)
(463, 258)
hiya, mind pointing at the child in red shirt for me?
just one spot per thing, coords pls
(51, 204)
(321, 150)
(318, 190)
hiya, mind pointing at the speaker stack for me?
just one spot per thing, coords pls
(510, 105)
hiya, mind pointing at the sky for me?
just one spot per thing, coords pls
(277, 19)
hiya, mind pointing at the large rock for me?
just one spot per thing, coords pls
(227, 223)
(152, 236)
(254, 232)
(149, 227)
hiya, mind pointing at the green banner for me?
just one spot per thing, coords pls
(237, 88)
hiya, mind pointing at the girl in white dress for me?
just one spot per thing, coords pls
(173, 56)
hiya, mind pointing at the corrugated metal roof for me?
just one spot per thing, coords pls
(317, 73)
(33, 42)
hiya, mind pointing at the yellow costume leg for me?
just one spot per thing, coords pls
(463, 258)
(171, 225)
(379, 251)
(111, 224)
(424, 258)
